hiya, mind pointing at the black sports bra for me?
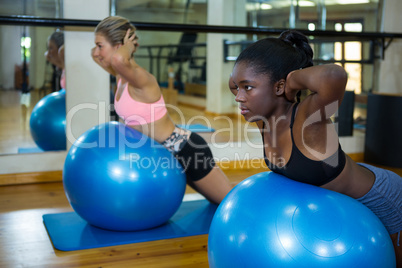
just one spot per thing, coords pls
(302, 169)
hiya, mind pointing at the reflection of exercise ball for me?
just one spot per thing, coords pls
(116, 178)
(48, 122)
(269, 220)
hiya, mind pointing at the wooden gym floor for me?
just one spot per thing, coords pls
(25, 243)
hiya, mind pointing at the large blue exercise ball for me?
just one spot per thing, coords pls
(269, 220)
(118, 179)
(48, 122)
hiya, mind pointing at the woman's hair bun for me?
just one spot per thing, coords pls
(293, 38)
(297, 40)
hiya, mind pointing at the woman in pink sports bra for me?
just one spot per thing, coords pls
(139, 102)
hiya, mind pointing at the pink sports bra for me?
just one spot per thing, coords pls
(63, 80)
(138, 113)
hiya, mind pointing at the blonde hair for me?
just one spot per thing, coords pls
(57, 37)
(114, 29)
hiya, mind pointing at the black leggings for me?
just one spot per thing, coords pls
(192, 152)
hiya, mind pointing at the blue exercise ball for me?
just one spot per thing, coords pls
(48, 122)
(118, 179)
(269, 220)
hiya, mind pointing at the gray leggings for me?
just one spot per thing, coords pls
(385, 198)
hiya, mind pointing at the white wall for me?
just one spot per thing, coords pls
(87, 83)
(10, 54)
(222, 12)
(37, 68)
(390, 78)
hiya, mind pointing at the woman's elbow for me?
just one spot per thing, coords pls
(339, 75)
(118, 62)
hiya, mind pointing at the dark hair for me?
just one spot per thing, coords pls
(277, 57)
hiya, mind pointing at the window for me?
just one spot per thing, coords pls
(25, 48)
(350, 51)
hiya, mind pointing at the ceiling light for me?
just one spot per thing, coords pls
(348, 2)
(265, 6)
(251, 6)
(304, 3)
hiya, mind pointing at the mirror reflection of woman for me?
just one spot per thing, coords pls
(55, 55)
(139, 102)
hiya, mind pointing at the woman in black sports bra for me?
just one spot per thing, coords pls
(300, 140)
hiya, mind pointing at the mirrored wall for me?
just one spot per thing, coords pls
(26, 76)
